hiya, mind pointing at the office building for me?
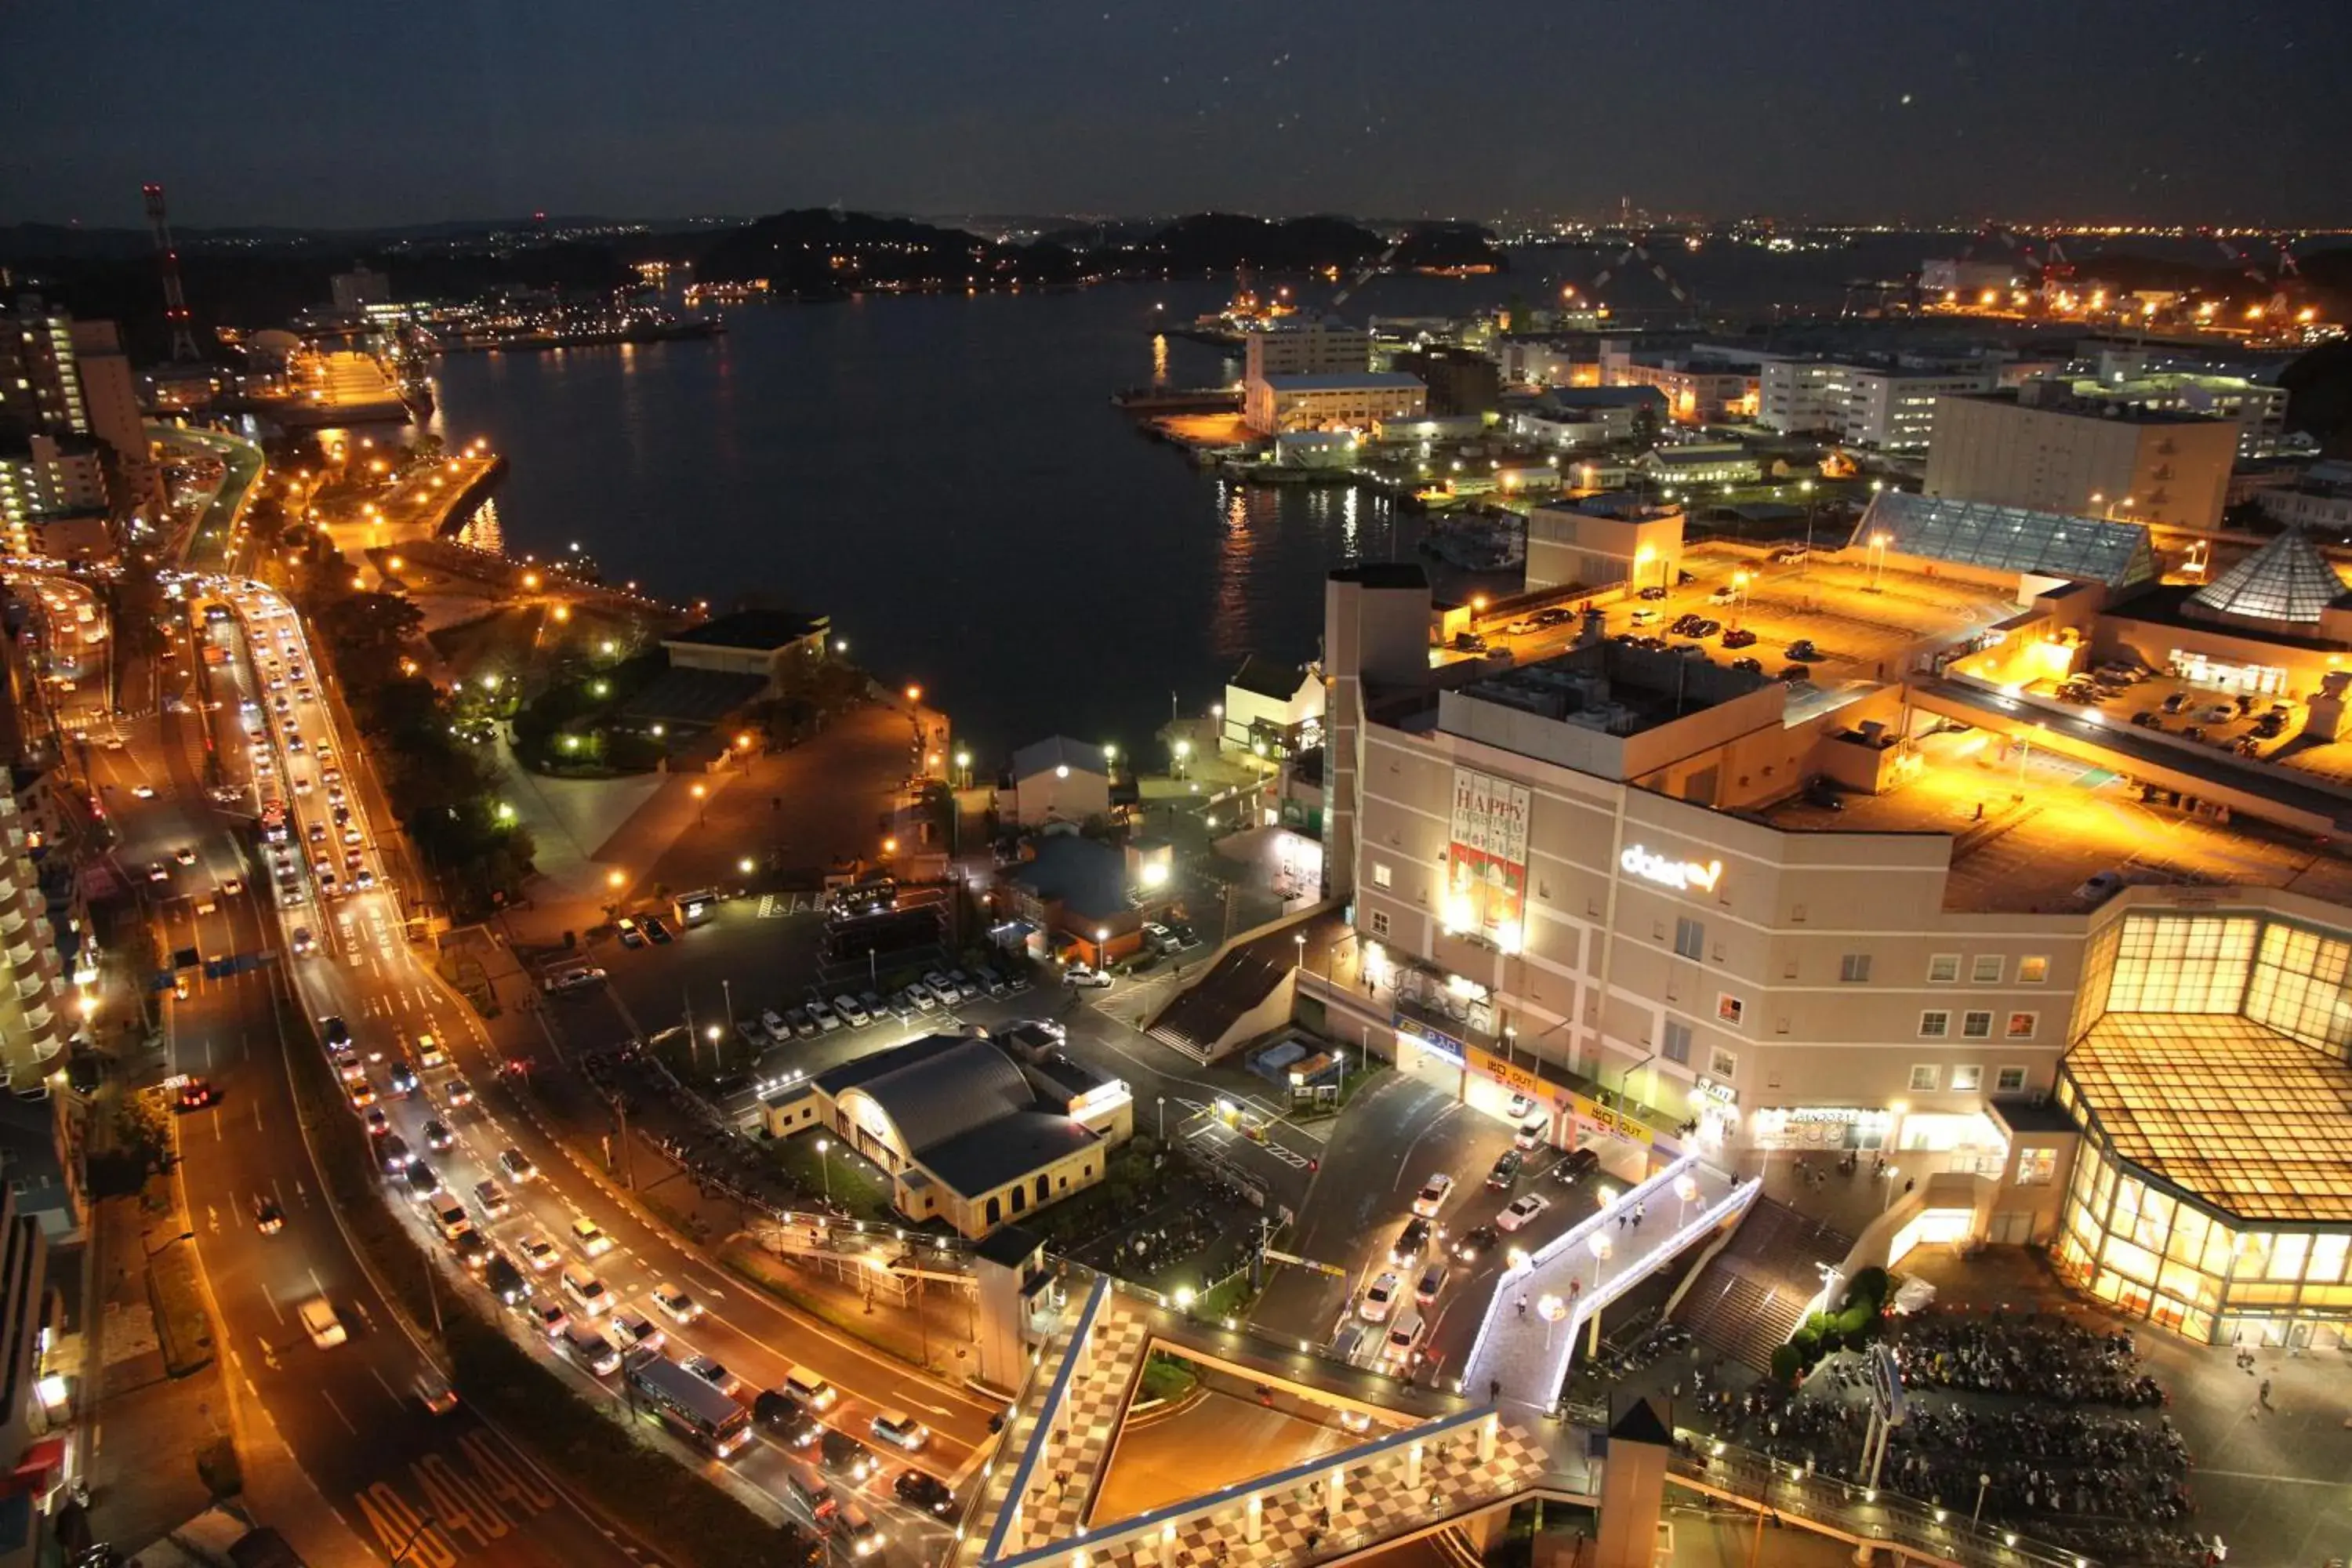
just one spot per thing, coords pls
(1358, 401)
(2320, 498)
(1575, 417)
(1698, 390)
(1879, 407)
(2039, 448)
(2257, 408)
(1460, 381)
(1319, 346)
(2081, 983)
(355, 290)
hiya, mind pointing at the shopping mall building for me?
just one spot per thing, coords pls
(2078, 972)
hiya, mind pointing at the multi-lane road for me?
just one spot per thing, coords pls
(352, 1413)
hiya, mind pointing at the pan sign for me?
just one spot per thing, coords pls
(1682, 876)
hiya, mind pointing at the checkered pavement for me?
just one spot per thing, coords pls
(1379, 1505)
(1055, 1508)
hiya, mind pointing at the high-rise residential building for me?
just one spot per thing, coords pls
(31, 1408)
(40, 385)
(355, 290)
(50, 485)
(34, 1007)
(2078, 985)
(2038, 448)
(66, 378)
(110, 394)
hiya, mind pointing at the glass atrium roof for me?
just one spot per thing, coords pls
(2247, 1120)
(2285, 580)
(2011, 538)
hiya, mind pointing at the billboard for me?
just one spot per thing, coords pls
(1487, 859)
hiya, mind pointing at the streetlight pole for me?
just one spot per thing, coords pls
(1984, 1484)
(1162, 1102)
(825, 1166)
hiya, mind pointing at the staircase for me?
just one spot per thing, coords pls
(1201, 1017)
(1750, 1298)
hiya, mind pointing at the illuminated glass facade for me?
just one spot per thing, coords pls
(2211, 1076)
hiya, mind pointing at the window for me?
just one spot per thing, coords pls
(1968, 1077)
(1379, 922)
(2032, 970)
(1690, 936)
(1380, 874)
(1722, 1065)
(1675, 1042)
(1853, 969)
(2036, 1167)
(1935, 1024)
(1943, 968)
(2009, 1080)
(1926, 1078)
(2020, 1026)
(1976, 1025)
(1729, 1009)
(1985, 969)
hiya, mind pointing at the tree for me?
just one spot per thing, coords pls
(1645, 427)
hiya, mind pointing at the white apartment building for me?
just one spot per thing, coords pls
(1275, 403)
(1675, 906)
(2035, 450)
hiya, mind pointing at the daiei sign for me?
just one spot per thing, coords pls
(1682, 876)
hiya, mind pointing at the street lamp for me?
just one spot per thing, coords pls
(825, 1165)
(1686, 1189)
(1878, 542)
(1300, 939)
(1102, 947)
(700, 791)
(1602, 1248)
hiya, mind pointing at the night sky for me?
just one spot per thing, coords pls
(346, 114)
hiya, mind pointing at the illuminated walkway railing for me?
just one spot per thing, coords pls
(1915, 1529)
(1572, 1276)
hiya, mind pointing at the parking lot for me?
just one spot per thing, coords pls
(1862, 624)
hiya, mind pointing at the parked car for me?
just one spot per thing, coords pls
(851, 1013)
(778, 1030)
(1739, 636)
(826, 1019)
(1085, 978)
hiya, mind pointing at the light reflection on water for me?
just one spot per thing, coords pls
(946, 476)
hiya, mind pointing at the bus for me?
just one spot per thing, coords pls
(688, 1406)
(273, 821)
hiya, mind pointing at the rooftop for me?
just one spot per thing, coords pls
(1088, 879)
(2011, 538)
(1615, 688)
(2248, 1120)
(1060, 752)
(2286, 580)
(936, 1089)
(2047, 401)
(1003, 1150)
(765, 630)
(1269, 677)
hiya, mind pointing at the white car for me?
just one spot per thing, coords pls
(1381, 1299)
(826, 1019)
(778, 1030)
(920, 995)
(538, 1252)
(517, 1165)
(1522, 1211)
(1085, 977)
(676, 1303)
(856, 1016)
(716, 1376)
(1432, 1196)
